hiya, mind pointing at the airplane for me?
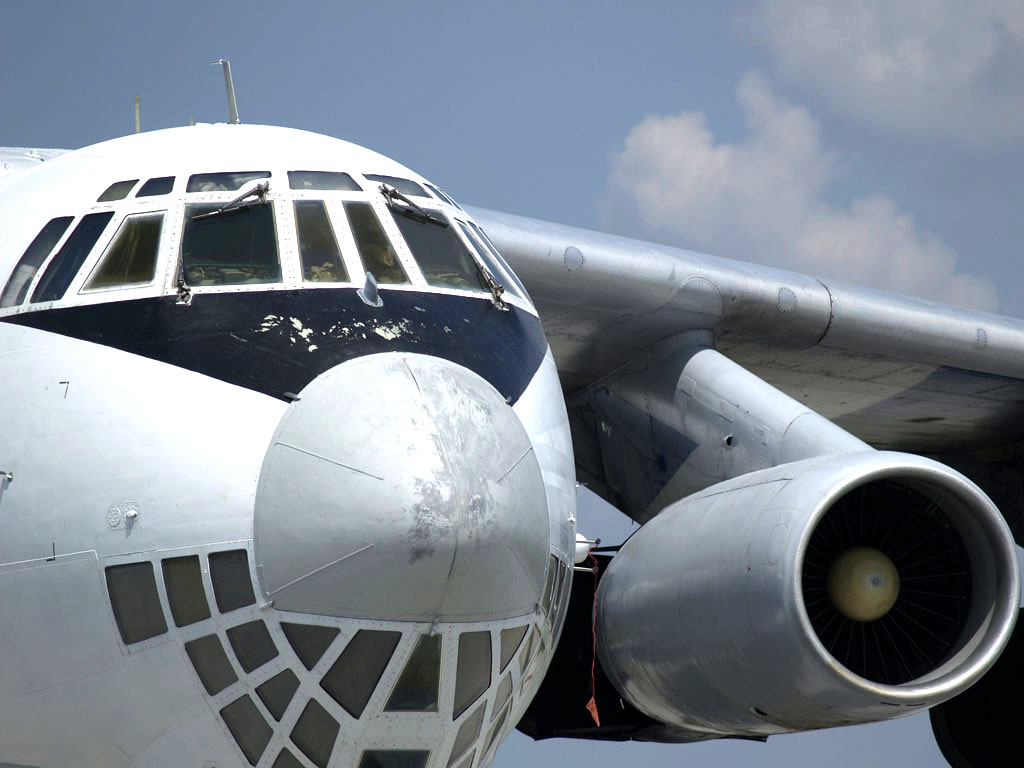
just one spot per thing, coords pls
(290, 448)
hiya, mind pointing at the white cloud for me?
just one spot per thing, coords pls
(946, 69)
(761, 200)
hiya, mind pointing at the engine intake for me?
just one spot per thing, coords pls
(824, 592)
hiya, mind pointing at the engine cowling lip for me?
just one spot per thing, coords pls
(975, 655)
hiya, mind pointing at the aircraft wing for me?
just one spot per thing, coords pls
(16, 158)
(899, 373)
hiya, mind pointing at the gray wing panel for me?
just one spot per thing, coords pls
(900, 373)
(16, 158)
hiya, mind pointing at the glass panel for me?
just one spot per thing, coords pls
(286, 760)
(354, 676)
(556, 593)
(135, 602)
(416, 689)
(223, 182)
(444, 195)
(131, 257)
(497, 269)
(504, 691)
(473, 673)
(439, 194)
(161, 185)
(277, 692)
(117, 191)
(549, 585)
(327, 180)
(493, 733)
(248, 727)
(252, 644)
(211, 663)
(378, 255)
(36, 253)
(393, 758)
(494, 251)
(468, 762)
(510, 639)
(524, 657)
(315, 733)
(236, 247)
(440, 253)
(405, 186)
(309, 642)
(318, 248)
(184, 583)
(232, 585)
(467, 734)
(69, 259)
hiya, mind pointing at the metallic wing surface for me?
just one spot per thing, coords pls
(898, 372)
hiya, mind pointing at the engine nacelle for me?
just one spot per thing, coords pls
(825, 592)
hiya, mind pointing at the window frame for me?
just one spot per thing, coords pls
(284, 236)
(96, 256)
(394, 234)
(25, 290)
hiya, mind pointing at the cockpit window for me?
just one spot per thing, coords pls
(117, 191)
(325, 180)
(444, 259)
(131, 257)
(487, 258)
(36, 253)
(442, 195)
(379, 256)
(235, 247)
(482, 236)
(318, 248)
(405, 186)
(223, 182)
(69, 259)
(161, 185)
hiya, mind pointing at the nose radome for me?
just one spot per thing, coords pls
(401, 487)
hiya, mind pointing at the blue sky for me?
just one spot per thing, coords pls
(873, 142)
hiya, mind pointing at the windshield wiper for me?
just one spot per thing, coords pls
(259, 192)
(493, 285)
(413, 211)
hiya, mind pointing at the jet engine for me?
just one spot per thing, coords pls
(824, 592)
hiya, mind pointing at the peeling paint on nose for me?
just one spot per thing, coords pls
(401, 487)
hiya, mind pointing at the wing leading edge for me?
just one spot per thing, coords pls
(898, 372)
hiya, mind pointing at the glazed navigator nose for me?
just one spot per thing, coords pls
(401, 487)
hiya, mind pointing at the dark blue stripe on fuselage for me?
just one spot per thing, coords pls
(276, 342)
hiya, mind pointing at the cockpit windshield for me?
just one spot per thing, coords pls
(238, 246)
(318, 248)
(405, 186)
(440, 252)
(379, 256)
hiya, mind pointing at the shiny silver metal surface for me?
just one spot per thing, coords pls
(702, 619)
(715, 421)
(878, 363)
(401, 487)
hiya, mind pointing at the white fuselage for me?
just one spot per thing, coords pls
(137, 421)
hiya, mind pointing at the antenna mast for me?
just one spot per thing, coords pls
(138, 122)
(229, 86)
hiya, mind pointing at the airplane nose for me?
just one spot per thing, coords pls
(401, 487)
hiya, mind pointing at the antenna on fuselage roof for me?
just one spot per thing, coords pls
(229, 86)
